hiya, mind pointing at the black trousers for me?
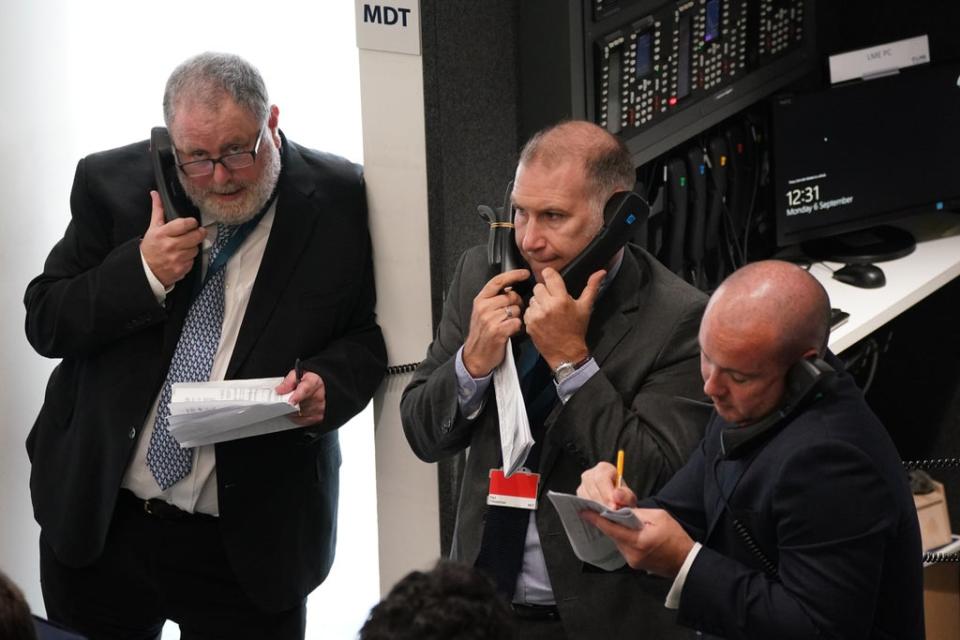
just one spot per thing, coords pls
(158, 568)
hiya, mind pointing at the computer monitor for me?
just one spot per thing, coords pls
(848, 158)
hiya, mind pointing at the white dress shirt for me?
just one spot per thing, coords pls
(676, 589)
(197, 492)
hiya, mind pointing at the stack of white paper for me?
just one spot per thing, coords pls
(209, 412)
(515, 437)
(589, 543)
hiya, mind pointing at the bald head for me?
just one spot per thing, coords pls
(779, 304)
(605, 159)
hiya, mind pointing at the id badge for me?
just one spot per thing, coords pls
(518, 491)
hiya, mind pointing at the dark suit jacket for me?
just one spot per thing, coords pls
(92, 306)
(826, 500)
(645, 399)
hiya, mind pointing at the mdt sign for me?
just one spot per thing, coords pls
(384, 14)
(393, 27)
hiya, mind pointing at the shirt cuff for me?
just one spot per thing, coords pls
(159, 291)
(577, 379)
(470, 391)
(673, 597)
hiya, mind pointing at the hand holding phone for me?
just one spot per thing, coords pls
(557, 322)
(623, 213)
(496, 314)
(169, 248)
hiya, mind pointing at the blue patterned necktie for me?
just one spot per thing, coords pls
(192, 362)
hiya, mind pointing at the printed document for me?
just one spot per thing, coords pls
(588, 542)
(209, 412)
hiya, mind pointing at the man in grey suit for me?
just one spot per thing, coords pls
(623, 359)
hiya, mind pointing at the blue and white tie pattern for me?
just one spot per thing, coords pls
(192, 362)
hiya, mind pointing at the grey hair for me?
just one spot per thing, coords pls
(209, 76)
(609, 166)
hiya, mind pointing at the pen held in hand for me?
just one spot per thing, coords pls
(298, 369)
(619, 467)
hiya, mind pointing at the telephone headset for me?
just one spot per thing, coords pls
(697, 215)
(716, 158)
(676, 231)
(623, 213)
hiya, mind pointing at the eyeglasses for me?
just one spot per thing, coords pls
(232, 161)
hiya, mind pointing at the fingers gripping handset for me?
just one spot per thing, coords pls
(495, 318)
(172, 240)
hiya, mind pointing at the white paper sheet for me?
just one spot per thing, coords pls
(588, 542)
(209, 412)
(515, 437)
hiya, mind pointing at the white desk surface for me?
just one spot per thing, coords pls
(934, 263)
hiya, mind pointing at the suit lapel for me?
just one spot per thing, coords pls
(727, 477)
(291, 231)
(613, 317)
(723, 481)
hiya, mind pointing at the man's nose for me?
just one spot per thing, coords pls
(531, 237)
(711, 384)
(220, 173)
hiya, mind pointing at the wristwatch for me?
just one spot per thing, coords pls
(566, 369)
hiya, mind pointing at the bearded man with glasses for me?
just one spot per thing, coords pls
(265, 262)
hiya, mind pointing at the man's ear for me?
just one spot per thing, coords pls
(273, 122)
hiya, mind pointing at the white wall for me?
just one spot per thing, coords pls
(396, 171)
(84, 76)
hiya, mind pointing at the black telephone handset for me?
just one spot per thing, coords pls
(804, 379)
(623, 213)
(677, 225)
(161, 153)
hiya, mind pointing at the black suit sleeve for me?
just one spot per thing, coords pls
(93, 290)
(832, 512)
(353, 364)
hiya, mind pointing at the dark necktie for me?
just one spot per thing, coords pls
(505, 528)
(192, 362)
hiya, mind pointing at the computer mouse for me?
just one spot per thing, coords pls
(868, 276)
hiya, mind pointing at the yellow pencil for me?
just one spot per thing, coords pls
(619, 467)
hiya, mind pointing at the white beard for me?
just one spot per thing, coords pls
(255, 196)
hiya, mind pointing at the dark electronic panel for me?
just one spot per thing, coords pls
(657, 73)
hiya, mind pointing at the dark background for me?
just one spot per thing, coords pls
(472, 96)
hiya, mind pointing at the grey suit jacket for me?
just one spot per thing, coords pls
(646, 399)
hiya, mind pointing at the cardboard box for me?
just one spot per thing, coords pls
(941, 596)
(933, 517)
